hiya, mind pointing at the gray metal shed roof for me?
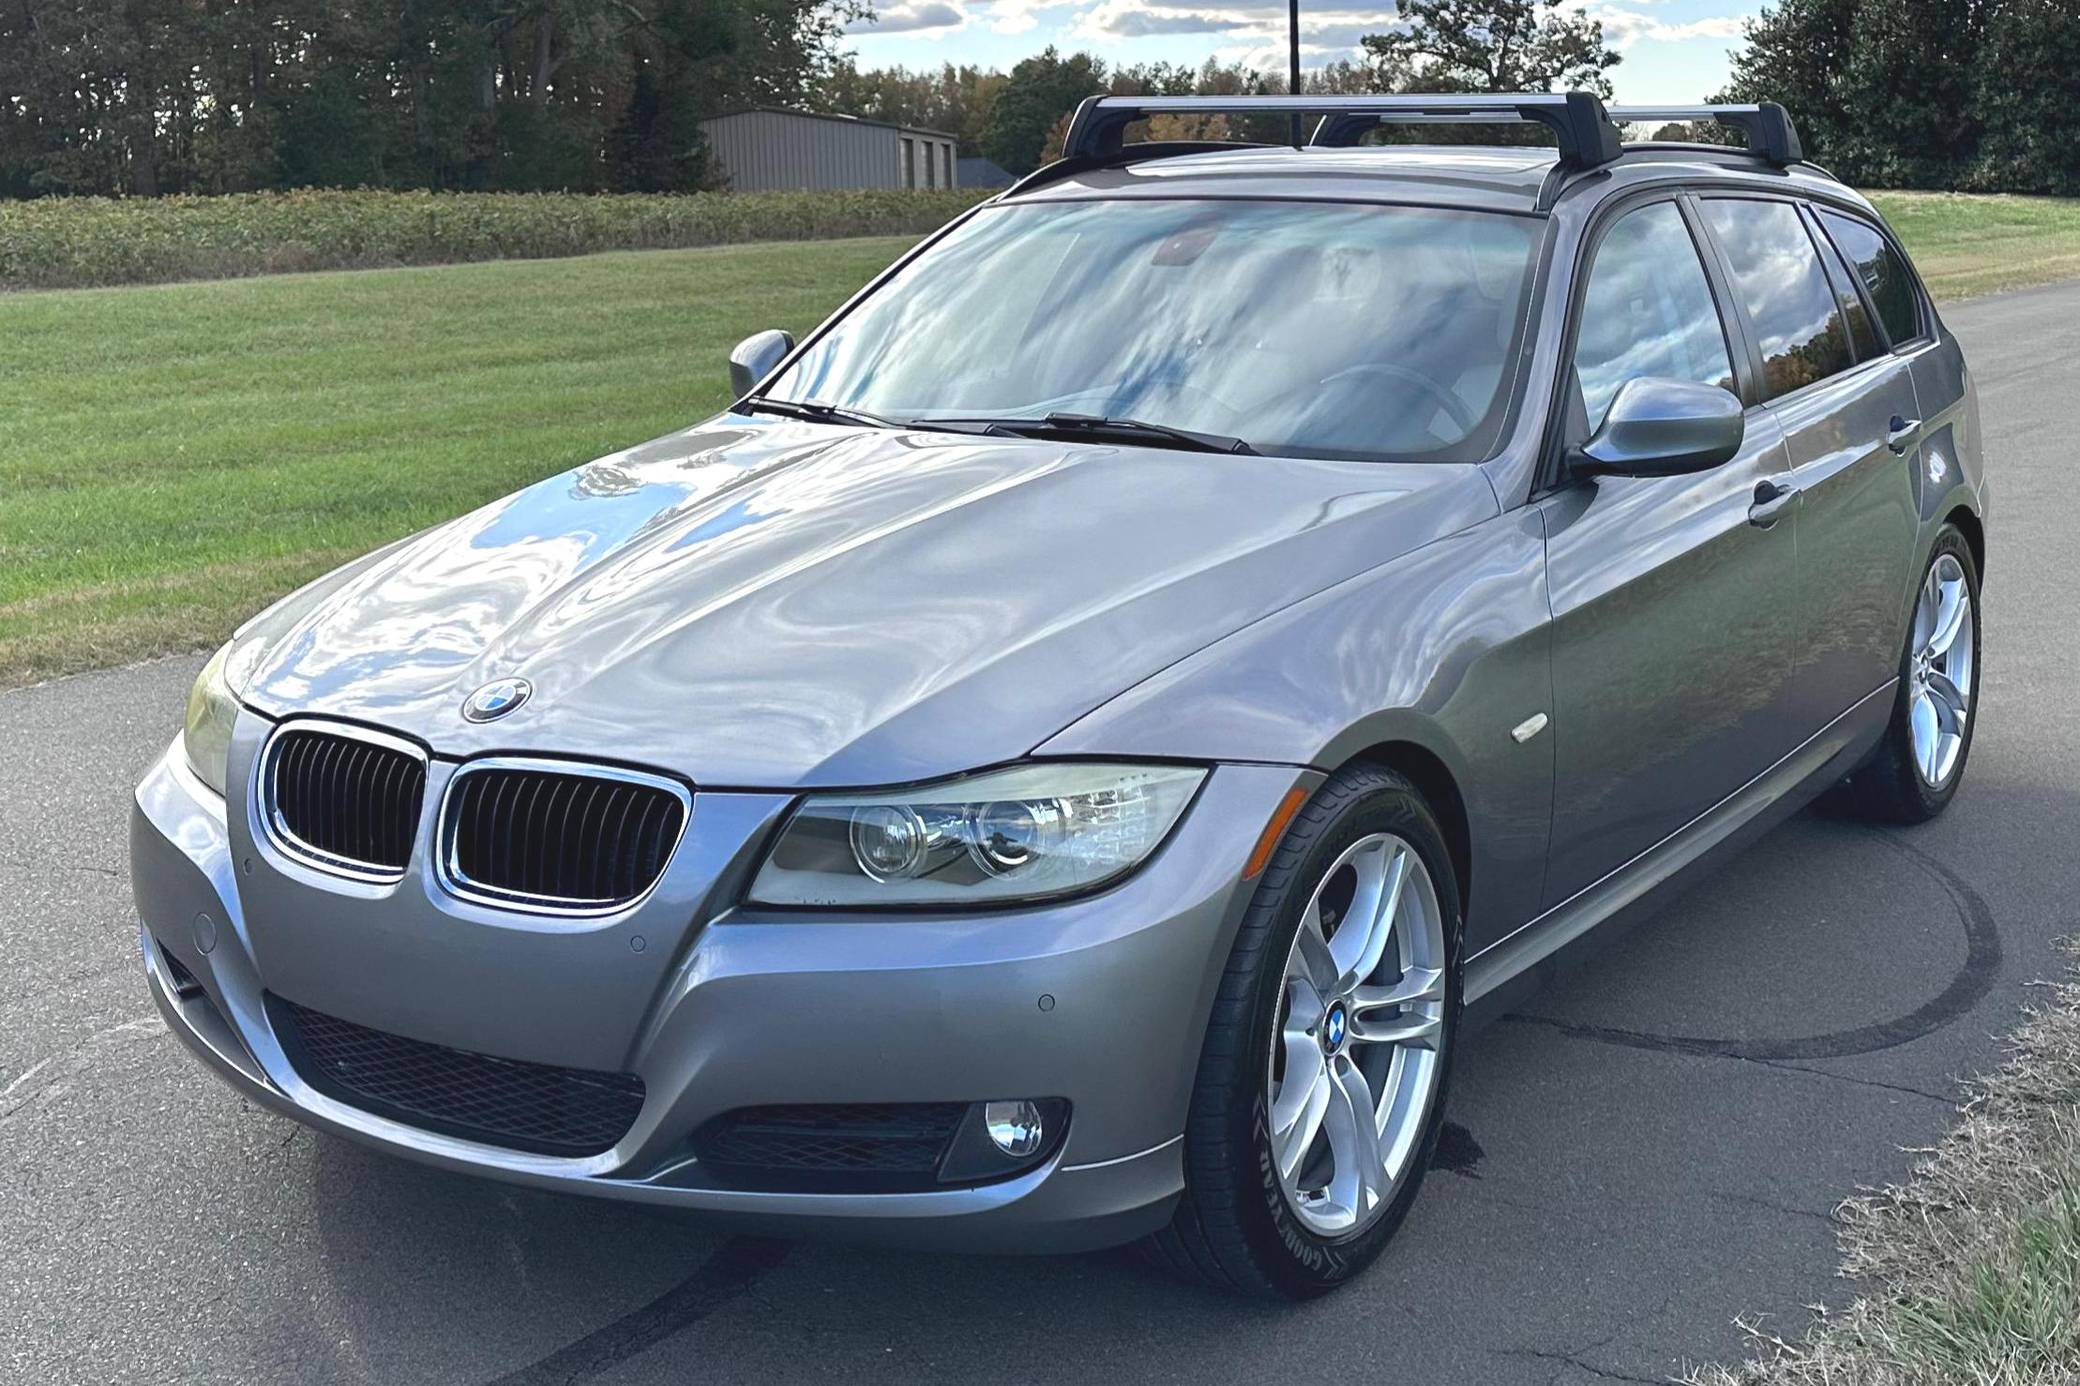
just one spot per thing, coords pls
(844, 119)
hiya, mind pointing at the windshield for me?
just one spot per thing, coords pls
(1307, 329)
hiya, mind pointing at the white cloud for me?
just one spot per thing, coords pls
(1133, 23)
(1019, 16)
(1255, 30)
(1625, 27)
(910, 18)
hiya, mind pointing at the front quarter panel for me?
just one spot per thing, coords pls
(1446, 648)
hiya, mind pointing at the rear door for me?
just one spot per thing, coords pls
(1846, 403)
(1674, 598)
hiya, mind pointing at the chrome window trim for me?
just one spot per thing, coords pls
(287, 842)
(456, 882)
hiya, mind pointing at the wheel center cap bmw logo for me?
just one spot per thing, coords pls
(1334, 1026)
(495, 700)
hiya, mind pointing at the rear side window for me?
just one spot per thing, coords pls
(1884, 276)
(1862, 335)
(1777, 274)
(1647, 310)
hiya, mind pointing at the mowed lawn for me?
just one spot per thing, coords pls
(1967, 244)
(174, 457)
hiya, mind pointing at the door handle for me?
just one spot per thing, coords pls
(1772, 499)
(1899, 434)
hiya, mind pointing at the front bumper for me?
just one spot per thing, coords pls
(717, 1008)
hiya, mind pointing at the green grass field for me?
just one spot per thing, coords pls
(1966, 244)
(174, 456)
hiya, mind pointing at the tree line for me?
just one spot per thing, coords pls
(1975, 94)
(146, 97)
(149, 97)
(1017, 118)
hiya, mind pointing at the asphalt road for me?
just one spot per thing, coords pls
(1651, 1148)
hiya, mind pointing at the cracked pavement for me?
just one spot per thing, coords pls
(1651, 1147)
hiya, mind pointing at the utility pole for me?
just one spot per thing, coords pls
(1293, 72)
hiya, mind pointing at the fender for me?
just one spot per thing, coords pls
(1447, 649)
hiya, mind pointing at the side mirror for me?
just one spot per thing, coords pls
(753, 359)
(1659, 427)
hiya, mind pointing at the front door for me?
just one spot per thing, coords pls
(1674, 598)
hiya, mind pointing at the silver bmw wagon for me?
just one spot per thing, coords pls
(1060, 759)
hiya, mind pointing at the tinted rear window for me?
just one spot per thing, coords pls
(1861, 334)
(1884, 277)
(1777, 274)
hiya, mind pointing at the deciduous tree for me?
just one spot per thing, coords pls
(1490, 46)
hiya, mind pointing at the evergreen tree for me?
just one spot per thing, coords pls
(2024, 98)
(1797, 53)
(1909, 91)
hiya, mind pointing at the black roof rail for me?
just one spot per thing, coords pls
(1767, 125)
(1586, 136)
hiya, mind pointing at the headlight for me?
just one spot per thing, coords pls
(1019, 834)
(213, 709)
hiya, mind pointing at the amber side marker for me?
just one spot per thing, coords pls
(1275, 829)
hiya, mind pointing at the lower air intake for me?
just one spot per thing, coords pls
(883, 1147)
(539, 1108)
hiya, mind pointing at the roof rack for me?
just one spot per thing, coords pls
(1767, 125)
(1586, 135)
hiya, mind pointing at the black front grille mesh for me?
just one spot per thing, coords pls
(346, 799)
(557, 837)
(861, 1146)
(507, 1102)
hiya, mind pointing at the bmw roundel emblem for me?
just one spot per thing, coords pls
(495, 700)
(1336, 1026)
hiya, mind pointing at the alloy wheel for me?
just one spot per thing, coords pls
(1939, 670)
(1354, 1059)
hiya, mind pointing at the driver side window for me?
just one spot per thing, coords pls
(1648, 310)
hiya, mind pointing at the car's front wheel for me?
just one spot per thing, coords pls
(1914, 772)
(1321, 1086)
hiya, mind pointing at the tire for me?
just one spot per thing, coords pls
(1237, 1227)
(1892, 785)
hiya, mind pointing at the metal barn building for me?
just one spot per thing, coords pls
(769, 147)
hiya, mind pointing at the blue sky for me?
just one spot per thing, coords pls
(1675, 50)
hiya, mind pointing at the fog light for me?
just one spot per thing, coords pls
(1016, 1128)
(998, 1139)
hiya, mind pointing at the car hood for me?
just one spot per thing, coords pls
(762, 604)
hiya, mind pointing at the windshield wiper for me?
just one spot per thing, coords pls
(1094, 425)
(814, 412)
